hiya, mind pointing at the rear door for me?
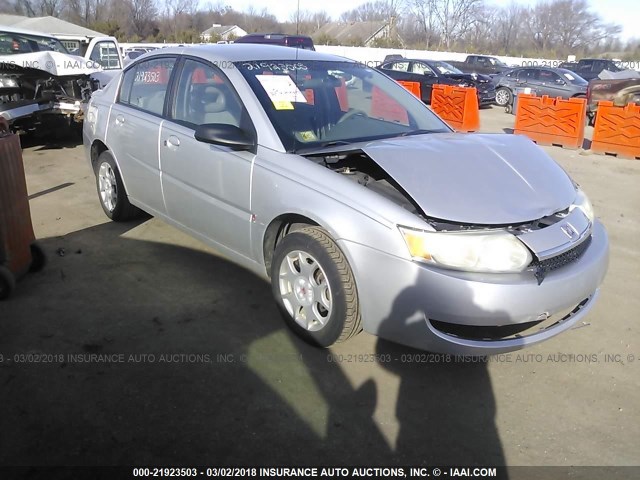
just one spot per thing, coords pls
(527, 78)
(134, 129)
(206, 187)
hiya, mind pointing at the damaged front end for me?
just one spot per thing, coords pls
(33, 97)
(483, 212)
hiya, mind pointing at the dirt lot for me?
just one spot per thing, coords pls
(201, 369)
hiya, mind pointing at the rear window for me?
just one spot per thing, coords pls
(296, 41)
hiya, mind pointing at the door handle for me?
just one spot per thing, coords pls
(172, 141)
(119, 119)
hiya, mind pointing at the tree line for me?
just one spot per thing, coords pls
(550, 28)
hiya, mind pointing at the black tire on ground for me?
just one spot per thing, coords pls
(343, 320)
(121, 210)
(7, 282)
(38, 258)
(504, 97)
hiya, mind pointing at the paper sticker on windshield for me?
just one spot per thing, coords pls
(283, 105)
(281, 88)
(307, 136)
(569, 76)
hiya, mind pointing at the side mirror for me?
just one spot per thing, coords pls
(225, 135)
(560, 81)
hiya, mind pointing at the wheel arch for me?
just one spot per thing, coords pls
(97, 148)
(278, 228)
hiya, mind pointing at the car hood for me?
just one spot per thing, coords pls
(55, 63)
(474, 178)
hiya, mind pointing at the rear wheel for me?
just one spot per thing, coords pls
(113, 197)
(504, 97)
(314, 287)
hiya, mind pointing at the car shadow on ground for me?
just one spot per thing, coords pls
(126, 351)
(52, 140)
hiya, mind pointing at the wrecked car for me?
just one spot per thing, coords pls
(621, 88)
(41, 83)
(362, 207)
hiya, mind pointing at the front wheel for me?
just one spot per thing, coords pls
(314, 287)
(113, 197)
(504, 97)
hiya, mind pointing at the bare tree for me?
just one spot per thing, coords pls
(143, 13)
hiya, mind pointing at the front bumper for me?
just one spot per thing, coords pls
(404, 301)
(487, 98)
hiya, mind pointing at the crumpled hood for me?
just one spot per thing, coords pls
(474, 178)
(55, 63)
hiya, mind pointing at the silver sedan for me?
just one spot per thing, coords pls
(363, 209)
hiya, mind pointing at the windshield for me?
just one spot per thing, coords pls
(445, 68)
(16, 43)
(495, 61)
(316, 104)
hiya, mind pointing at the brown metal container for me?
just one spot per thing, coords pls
(16, 230)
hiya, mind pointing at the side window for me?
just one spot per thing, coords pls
(482, 61)
(527, 75)
(548, 76)
(106, 54)
(205, 95)
(421, 68)
(399, 66)
(145, 85)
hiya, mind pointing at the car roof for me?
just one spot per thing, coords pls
(245, 52)
(404, 59)
(22, 31)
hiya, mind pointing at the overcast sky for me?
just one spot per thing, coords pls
(623, 12)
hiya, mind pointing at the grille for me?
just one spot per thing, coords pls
(563, 259)
(541, 268)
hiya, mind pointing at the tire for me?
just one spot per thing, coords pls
(504, 97)
(111, 193)
(7, 282)
(319, 302)
(38, 258)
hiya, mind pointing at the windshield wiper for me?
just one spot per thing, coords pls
(420, 132)
(320, 146)
(333, 143)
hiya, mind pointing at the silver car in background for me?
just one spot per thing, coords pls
(363, 209)
(554, 82)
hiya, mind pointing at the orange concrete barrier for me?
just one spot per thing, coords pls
(617, 130)
(551, 121)
(386, 108)
(341, 93)
(413, 87)
(458, 106)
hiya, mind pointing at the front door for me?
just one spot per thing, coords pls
(206, 187)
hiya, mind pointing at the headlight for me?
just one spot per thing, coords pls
(582, 202)
(498, 252)
(6, 82)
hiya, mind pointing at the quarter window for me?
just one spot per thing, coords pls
(145, 85)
